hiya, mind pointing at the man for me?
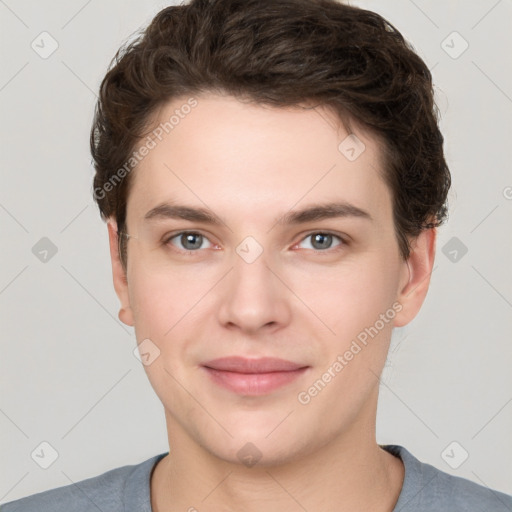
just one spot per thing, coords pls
(272, 175)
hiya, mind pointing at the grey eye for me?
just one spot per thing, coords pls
(191, 241)
(321, 241)
(188, 240)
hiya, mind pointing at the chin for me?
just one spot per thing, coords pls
(258, 442)
(257, 453)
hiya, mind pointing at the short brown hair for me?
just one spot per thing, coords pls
(281, 53)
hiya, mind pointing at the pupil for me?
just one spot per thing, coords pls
(322, 238)
(189, 238)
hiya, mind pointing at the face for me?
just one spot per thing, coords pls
(321, 290)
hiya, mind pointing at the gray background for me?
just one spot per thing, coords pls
(68, 373)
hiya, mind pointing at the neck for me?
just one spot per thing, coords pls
(349, 473)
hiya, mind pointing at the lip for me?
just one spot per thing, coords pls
(253, 376)
(256, 365)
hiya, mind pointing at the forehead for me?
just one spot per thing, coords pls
(256, 160)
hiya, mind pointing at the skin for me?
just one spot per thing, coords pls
(295, 301)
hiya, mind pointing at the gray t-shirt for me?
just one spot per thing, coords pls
(127, 489)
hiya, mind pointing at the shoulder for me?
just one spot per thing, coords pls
(427, 488)
(107, 492)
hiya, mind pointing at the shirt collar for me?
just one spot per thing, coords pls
(137, 488)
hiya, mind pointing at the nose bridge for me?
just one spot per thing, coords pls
(251, 270)
(252, 296)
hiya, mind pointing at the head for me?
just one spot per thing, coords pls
(253, 111)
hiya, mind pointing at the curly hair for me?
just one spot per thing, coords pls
(280, 53)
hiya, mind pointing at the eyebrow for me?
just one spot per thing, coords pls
(311, 213)
(323, 211)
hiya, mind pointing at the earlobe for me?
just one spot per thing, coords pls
(418, 268)
(119, 275)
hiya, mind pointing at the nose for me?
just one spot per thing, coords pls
(254, 297)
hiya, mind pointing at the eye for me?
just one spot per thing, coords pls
(322, 241)
(192, 241)
(189, 240)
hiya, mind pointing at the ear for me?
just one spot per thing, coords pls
(119, 275)
(416, 276)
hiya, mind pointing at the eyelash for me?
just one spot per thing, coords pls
(343, 241)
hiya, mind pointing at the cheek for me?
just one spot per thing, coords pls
(163, 309)
(163, 303)
(149, 301)
(356, 303)
(352, 296)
